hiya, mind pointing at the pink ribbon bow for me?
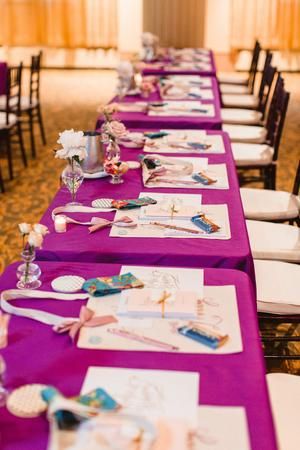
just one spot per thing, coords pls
(87, 319)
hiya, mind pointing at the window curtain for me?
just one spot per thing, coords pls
(276, 23)
(59, 23)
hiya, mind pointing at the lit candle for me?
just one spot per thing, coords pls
(60, 224)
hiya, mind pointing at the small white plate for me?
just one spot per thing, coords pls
(95, 175)
(67, 283)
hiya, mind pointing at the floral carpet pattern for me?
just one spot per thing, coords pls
(70, 100)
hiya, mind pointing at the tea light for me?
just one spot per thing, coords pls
(60, 224)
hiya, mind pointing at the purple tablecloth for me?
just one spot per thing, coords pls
(162, 71)
(3, 78)
(143, 120)
(78, 245)
(36, 354)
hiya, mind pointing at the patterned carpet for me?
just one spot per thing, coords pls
(70, 100)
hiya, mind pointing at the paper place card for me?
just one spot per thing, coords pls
(185, 92)
(185, 141)
(172, 205)
(161, 303)
(163, 228)
(191, 79)
(153, 394)
(217, 311)
(183, 108)
(177, 172)
(215, 425)
(132, 107)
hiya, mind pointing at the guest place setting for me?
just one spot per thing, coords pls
(138, 340)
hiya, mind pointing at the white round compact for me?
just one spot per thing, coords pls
(26, 401)
(67, 283)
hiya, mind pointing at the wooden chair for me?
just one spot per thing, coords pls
(238, 84)
(10, 126)
(258, 147)
(31, 105)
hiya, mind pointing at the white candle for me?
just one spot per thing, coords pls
(60, 224)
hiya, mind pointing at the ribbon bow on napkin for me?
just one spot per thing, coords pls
(86, 318)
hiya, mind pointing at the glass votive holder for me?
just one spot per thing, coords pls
(60, 223)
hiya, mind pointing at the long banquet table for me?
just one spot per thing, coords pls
(143, 121)
(78, 245)
(36, 354)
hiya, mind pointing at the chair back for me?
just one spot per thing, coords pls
(266, 84)
(296, 186)
(253, 66)
(13, 91)
(276, 115)
(35, 68)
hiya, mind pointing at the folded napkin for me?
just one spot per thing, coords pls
(98, 287)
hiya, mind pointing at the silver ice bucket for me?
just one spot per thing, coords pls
(93, 163)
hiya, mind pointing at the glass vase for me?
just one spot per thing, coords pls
(113, 151)
(72, 176)
(28, 273)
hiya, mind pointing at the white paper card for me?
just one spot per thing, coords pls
(153, 394)
(145, 228)
(177, 142)
(217, 310)
(184, 108)
(221, 428)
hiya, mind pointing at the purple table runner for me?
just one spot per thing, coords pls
(143, 121)
(36, 354)
(78, 245)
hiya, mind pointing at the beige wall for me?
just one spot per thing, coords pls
(178, 23)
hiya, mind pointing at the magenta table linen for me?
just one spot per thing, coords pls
(143, 121)
(36, 354)
(78, 245)
(3, 78)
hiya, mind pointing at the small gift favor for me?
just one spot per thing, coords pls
(133, 203)
(202, 178)
(99, 287)
(155, 134)
(203, 335)
(205, 224)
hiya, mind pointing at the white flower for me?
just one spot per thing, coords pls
(40, 229)
(62, 153)
(71, 138)
(80, 152)
(149, 39)
(125, 69)
(35, 239)
(25, 228)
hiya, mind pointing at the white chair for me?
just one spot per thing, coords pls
(284, 392)
(278, 287)
(241, 116)
(262, 156)
(232, 83)
(246, 133)
(274, 241)
(265, 204)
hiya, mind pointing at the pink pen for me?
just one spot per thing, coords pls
(143, 339)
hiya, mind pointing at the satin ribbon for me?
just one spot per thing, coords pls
(87, 319)
(60, 324)
(97, 223)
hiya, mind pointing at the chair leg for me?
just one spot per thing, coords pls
(41, 124)
(31, 131)
(21, 142)
(1, 182)
(9, 156)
